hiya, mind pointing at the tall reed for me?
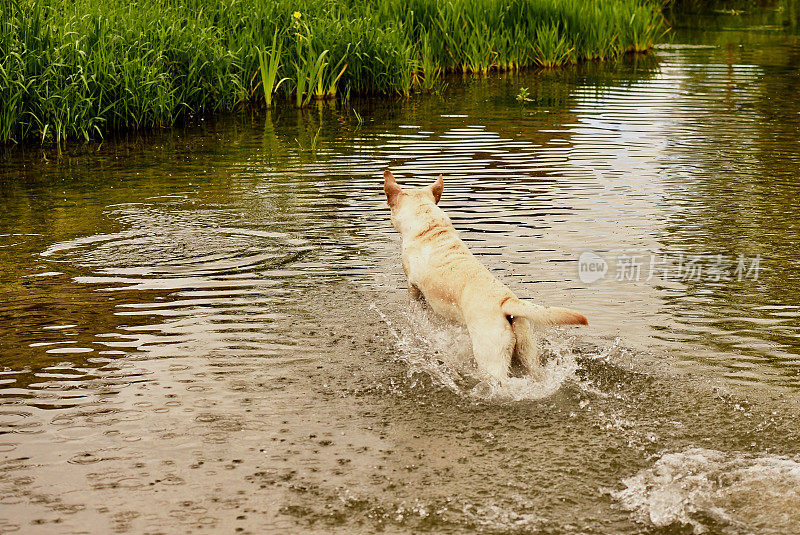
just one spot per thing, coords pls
(268, 64)
(78, 69)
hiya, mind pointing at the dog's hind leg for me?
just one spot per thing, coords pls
(526, 349)
(492, 344)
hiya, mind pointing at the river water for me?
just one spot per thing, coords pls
(206, 330)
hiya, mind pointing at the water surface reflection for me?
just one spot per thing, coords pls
(209, 328)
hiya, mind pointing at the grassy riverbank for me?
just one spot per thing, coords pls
(77, 69)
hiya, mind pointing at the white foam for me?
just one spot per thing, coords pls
(712, 490)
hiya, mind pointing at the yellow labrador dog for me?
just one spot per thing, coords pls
(442, 272)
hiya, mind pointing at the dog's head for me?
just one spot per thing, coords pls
(410, 205)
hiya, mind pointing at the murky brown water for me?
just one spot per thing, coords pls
(208, 332)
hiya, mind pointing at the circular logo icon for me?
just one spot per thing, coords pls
(591, 267)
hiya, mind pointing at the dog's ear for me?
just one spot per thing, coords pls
(437, 188)
(391, 188)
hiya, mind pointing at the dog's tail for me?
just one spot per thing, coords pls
(543, 316)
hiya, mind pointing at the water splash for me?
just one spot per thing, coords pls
(443, 351)
(711, 490)
(559, 369)
(430, 347)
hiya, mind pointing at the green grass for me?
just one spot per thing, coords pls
(78, 69)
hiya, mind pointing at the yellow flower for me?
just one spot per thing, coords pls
(297, 15)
